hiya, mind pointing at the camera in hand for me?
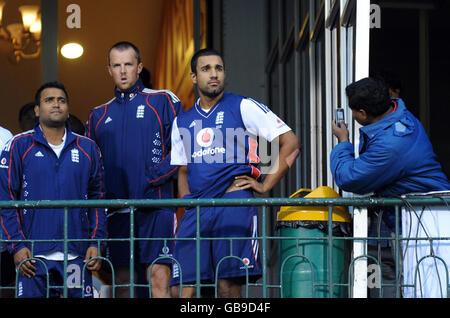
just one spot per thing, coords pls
(339, 116)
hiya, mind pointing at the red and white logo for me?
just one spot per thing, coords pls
(246, 263)
(205, 137)
(3, 162)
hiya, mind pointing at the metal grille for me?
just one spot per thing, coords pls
(266, 235)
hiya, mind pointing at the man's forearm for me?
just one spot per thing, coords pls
(183, 187)
(289, 150)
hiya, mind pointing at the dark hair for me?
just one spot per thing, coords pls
(369, 94)
(27, 117)
(203, 52)
(37, 97)
(76, 125)
(125, 45)
(146, 78)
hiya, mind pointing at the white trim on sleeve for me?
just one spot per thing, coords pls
(178, 155)
(261, 121)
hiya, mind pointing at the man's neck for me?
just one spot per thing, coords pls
(378, 118)
(53, 135)
(207, 102)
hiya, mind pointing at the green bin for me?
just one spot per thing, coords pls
(303, 260)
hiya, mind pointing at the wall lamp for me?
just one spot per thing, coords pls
(26, 36)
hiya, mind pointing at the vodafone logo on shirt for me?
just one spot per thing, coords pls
(205, 137)
(3, 163)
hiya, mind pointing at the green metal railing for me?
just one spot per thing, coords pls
(266, 236)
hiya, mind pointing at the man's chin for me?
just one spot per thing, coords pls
(213, 94)
(123, 88)
(54, 123)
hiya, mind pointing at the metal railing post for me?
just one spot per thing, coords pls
(360, 249)
(264, 251)
(330, 251)
(197, 255)
(132, 210)
(66, 250)
(397, 253)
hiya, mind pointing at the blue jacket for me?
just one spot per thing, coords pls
(30, 170)
(133, 133)
(396, 157)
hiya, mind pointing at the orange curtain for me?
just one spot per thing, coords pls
(176, 48)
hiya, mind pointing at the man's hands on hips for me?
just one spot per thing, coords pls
(246, 182)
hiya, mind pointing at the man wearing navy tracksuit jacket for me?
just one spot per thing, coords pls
(133, 133)
(51, 162)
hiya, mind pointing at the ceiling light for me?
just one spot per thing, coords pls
(72, 50)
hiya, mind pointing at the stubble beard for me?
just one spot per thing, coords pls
(212, 93)
(53, 123)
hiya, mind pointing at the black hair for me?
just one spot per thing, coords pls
(76, 125)
(37, 97)
(369, 94)
(204, 52)
(27, 117)
(146, 78)
(125, 45)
